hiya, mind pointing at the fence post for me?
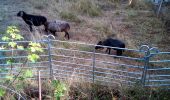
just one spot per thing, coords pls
(39, 85)
(48, 40)
(146, 59)
(146, 62)
(49, 57)
(94, 58)
(159, 8)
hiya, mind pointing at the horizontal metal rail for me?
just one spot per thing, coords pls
(159, 75)
(98, 72)
(66, 76)
(112, 79)
(99, 61)
(72, 57)
(9, 50)
(17, 57)
(127, 65)
(117, 75)
(73, 72)
(159, 61)
(157, 85)
(27, 63)
(70, 42)
(101, 54)
(97, 67)
(115, 70)
(165, 80)
(158, 69)
(79, 69)
(54, 61)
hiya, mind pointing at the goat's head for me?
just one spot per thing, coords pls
(99, 47)
(21, 13)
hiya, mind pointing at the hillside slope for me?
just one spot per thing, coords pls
(92, 20)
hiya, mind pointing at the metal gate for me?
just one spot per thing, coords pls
(75, 61)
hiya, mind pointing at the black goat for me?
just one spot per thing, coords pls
(34, 20)
(112, 43)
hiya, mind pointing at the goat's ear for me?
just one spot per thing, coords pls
(99, 43)
(21, 13)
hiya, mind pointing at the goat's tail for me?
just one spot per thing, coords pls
(123, 46)
(46, 26)
(67, 26)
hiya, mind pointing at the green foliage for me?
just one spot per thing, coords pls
(33, 57)
(35, 47)
(59, 89)
(18, 81)
(2, 92)
(25, 74)
(12, 35)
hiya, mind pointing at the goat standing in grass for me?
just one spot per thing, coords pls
(58, 26)
(112, 43)
(34, 20)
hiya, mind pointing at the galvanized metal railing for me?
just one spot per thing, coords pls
(81, 62)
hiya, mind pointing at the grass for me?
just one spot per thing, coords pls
(86, 91)
(140, 5)
(70, 16)
(87, 7)
(104, 28)
(40, 4)
(149, 30)
(138, 92)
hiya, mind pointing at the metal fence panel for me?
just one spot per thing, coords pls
(81, 62)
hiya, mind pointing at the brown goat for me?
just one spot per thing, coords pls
(58, 26)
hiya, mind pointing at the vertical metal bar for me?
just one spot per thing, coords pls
(39, 84)
(159, 9)
(146, 64)
(49, 57)
(94, 58)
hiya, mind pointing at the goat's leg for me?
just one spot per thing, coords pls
(119, 52)
(30, 27)
(108, 49)
(53, 33)
(46, 29)
(66, 34)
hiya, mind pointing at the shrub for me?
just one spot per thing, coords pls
(17, 81)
